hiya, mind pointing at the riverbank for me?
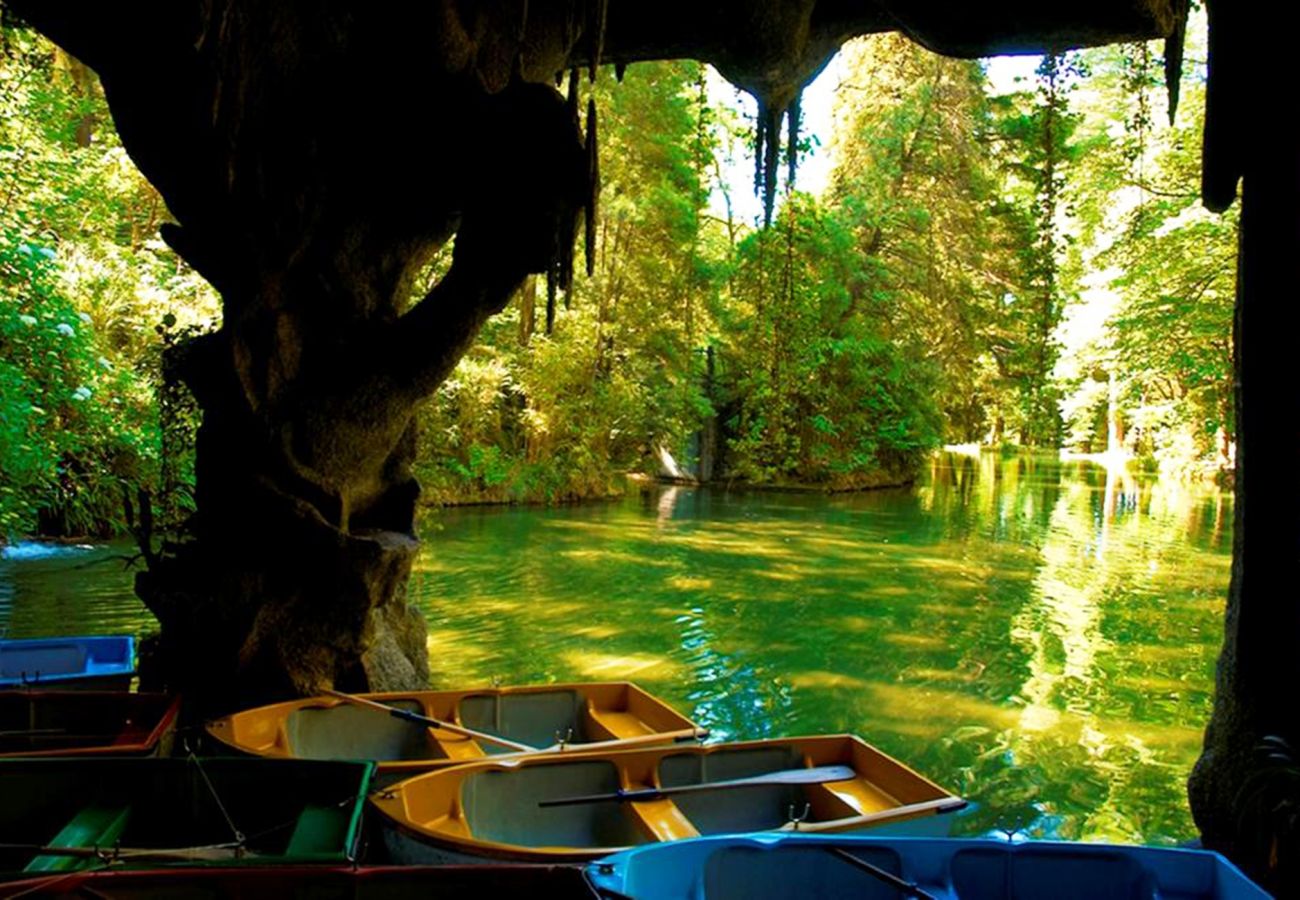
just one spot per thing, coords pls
(616, 487)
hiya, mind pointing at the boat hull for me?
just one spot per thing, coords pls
(495, 811)
(105, 663)
(58, 814)
(767, 867)
(311, 883)
(86, 723)
(535, 715)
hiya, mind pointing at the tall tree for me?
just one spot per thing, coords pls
(1038, 148)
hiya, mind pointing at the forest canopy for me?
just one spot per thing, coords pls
(1026, 266)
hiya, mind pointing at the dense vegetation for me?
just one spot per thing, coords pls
(1028, 268)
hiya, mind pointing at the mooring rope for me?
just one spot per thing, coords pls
(239, 835)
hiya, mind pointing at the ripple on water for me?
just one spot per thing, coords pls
(1004, 627)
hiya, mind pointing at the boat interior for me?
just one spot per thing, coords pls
(33, 661)
(538, 718)
(42, 722)
(994, 872)
(351, 732)
(501, 805)
(308, 811)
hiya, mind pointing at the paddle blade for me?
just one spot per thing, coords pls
(816, 775)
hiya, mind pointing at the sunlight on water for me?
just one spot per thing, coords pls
(1038, 636)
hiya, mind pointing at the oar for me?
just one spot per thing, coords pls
(636, 740)
(939, 805)
(906, 887)
(115, 854)
(431, 723)
(817, 775)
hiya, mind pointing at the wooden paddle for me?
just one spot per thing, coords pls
(816, 775)
(111, 855)
(431, 723)
(890, 814)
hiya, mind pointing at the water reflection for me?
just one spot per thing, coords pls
(54, 589)
(1038, 635)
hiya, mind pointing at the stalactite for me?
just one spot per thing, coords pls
(573, 97)
(521, 36)
(792, 138)
(771, 155)
(767, 152)
(593, 187)
(568, 220)
(564, 265)
(1174, 56)
(597, 17)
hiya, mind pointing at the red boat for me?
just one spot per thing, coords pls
(86, 723)
(308, 882)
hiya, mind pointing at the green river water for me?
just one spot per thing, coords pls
(1035, 635)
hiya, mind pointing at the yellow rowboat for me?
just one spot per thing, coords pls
(506, 810)
(548, 718)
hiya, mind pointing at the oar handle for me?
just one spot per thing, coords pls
(431, 722)
(936, 806)
(656, 737)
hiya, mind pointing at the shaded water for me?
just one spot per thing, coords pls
(1037, 636)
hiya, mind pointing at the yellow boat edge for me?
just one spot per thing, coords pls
(661, 817)
(623, 711)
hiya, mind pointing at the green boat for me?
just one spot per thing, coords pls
(72, 815)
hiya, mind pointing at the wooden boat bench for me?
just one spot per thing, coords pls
(94, 826)
(611, 725)
(661, 820)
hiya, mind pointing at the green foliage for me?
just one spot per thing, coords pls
(1040, 154)
(819, 393)
(1166, 347)
(74, 426)
(924, 297)
(83, 281)
(534, 417)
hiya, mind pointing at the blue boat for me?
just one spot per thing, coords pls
(70, 663)
(761, 866)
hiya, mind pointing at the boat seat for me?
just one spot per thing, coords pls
(661, 820)
(618, 724)
(457, 747)
(93, 826)
(319, 829)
